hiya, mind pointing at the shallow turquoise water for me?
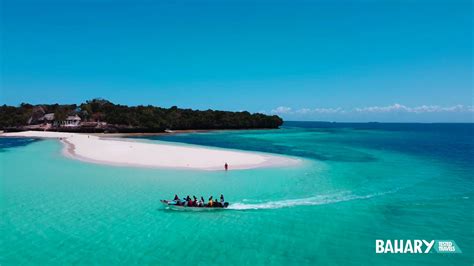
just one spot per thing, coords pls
(356, 185)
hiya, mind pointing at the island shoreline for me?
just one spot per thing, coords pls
(117, 151)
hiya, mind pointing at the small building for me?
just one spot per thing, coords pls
(47, 118)
(71, 121)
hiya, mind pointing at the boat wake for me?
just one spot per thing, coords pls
(310, 201)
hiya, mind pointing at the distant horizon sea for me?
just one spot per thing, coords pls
(358, 182)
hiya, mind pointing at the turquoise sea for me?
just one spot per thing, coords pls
(358, 183)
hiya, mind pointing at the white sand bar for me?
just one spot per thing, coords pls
(123, 152)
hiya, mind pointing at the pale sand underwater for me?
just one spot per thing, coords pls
(122, 152)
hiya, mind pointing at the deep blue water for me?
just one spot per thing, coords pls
(6, 143)
(449, 141)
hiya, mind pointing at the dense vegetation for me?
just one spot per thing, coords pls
(137, 118)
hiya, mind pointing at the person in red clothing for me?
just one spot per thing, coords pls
(190, 202)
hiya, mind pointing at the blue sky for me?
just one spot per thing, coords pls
(359, 60)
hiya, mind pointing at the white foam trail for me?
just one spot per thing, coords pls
(310, 201)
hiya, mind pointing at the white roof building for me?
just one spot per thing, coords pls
(71, 121)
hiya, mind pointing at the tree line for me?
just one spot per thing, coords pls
(137, 118)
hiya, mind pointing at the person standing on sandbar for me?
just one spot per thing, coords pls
(226, 166)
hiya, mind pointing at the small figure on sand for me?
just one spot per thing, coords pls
(226, 166)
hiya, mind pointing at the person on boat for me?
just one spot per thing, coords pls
(222, 200)
(211, 203)
(226, 166)
(202, 202)
(175, 200)
(189, 201)
(195, 201)
(185, 202)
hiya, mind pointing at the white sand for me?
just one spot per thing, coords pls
(124, 152)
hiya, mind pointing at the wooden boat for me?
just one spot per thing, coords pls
(170, 204)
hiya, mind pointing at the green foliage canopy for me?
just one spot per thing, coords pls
(141, 118)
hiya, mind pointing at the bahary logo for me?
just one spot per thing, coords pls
(416, 246)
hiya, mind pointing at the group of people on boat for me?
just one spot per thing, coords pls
(194, 202)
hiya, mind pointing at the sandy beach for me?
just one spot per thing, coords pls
(122, 152)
